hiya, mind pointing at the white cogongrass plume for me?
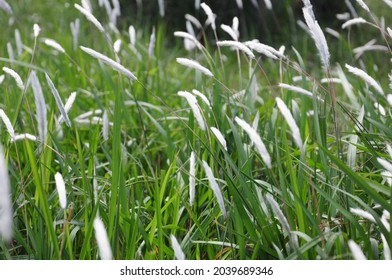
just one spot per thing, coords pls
(68, 105)
(151, 46)
(291, 122)
(6, 212)
(363, 5)
(240, 5)
(117, 46)
(115, 65)
(353, 21)
(15, 76)
(219, 136)
(8, 124)
(52, 43)
(215, 188)
(229, 30)
(105, 126)
(343, 16)
(261, 48)
(318, 35)
(388, 2)
(58, 100)
(178, 253)
(60, 186)
(210, 15)
(365, 76)
(192, 178)
(194, 20)
(6, 7)
(194, 65)
(117, 7)
(10, 51)
(387, 250)
(356, 251)
(87, 6)
(105, 252)
(363, 214)
(389, 32)
(40, 107)
(75, 28)
(268, 4)
(202, 96)
(296, 89)
(189, 37)
(132, 35)
(36, 30)
(332, 32)
(385, 164)
(235, 25)
(1, 79)
(256, 139)
(279, 214)
(236, 45)
(90, 17)
(18, 42)
(192, 101)
(161, 5)
(24, 136)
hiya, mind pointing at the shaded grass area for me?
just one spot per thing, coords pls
(137, 180)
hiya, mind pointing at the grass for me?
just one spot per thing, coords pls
(137, 180)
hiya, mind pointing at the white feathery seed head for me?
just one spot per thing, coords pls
(90, 17)
(8, 124)
(354, 21)
(105, 251)
(194, 20)
(229, 30)
(117, 45)
(132, 35)
(161, 5)
(58, 100)
(365, 76)
(296, 89)
(6, 7)
(68, 105)
(105, 126)
(151, 46)
(1, 79)
(36, 30)
(363, 5)
(236, 45)
(194, 65)
(385, 164)
(261, 48)
(178, 253)
(115, 65)
(18, 42)
(192, 101)
(219, 136)
(256, 139)
(317, 35)
(15, 76)
(363, 214)
(189, 37)
(60, 186)
(6, 212)
(202, 96)
(268, 4)
(356, 251)
(40, 107)
(192, 178)
(87, 6)
(215, 188)
(210, 15)
(24, 136)
(52, 43)
(291, 122)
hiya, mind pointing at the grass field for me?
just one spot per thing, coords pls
(245, 152)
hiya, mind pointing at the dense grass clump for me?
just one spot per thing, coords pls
(150, 144)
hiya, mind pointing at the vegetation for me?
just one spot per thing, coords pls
(275, 156)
